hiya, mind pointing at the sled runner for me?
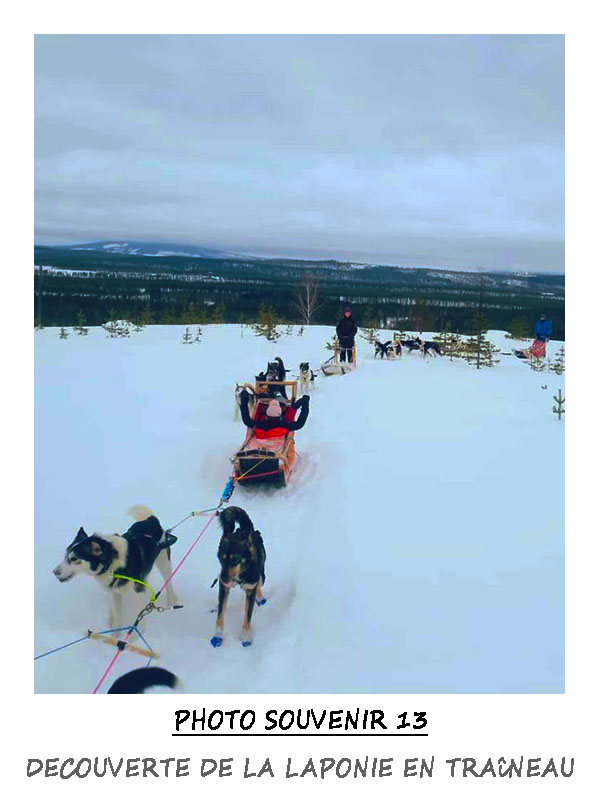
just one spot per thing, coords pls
(269, 461)
(333, 366)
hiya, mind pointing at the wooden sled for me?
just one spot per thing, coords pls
(333, 365)
(266, 461)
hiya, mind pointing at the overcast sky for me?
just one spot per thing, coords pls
(415, 150)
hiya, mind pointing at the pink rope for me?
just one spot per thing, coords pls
(112, 663)
(187, 552)
(114, 659)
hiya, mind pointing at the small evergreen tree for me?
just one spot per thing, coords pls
(560, 402)
(267, 323)
(111, 328)
(63, 334)
(558, 365)
(80, 328)
(145, 316)
(477, 349)
(518, 329)
(187, 337)
(198, 334)
(370, 326)
(218, 314)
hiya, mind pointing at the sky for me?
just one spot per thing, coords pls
(416, 150)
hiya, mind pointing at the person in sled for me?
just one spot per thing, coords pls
(275, 424)
(346, 331)
(543, 329)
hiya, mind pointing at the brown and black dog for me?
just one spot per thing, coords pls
(242, 557)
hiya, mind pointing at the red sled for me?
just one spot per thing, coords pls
(538, 349)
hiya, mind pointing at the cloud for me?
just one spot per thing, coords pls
(345, 144)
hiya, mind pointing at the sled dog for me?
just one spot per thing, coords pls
(104, 556)
(382, 349)
(242, 558)
(136, 681)
(307, 377)
(275, 372)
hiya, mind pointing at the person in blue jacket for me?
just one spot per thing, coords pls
(543, 329)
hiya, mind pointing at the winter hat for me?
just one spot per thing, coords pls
(347, 310)
(273, 409)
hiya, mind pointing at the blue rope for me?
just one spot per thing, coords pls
(56, 649)
(64, 646)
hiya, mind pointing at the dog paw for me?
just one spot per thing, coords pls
(216, 641)
(246, 643)
(261, 601)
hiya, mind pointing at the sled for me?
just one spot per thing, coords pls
(333, 366)
(266, 461)
(538, 349)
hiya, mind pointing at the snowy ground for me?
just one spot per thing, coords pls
(420, 548)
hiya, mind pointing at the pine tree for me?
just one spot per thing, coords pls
(187, 337)
(145, 317)
(289, 330)
(267, 323)
(167, 317)
(518, 329)
(111, 328)
(370, 326)
(477, 349)
(218, 314)
(80, 328)
(560, 402)
(198, 334)
(558, 365)
(63, 334)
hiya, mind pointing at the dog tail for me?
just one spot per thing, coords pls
(140, 513)
(233, 514)
(138, 680)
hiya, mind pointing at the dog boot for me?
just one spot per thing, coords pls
(261, 601)
(246, 643)
(216, 641)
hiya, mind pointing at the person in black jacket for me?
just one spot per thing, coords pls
(346, 331)
(274, 424)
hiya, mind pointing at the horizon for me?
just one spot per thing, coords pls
(450, 268)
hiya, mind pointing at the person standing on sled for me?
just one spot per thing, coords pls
(543, 329)
(274, 424)
(346, 331)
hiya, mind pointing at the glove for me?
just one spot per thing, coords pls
(244, 396)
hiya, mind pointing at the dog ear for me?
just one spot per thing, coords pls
(96, 549)
(81, 535)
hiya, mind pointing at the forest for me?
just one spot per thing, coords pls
(74, 286)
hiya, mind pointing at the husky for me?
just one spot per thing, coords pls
(242, 558)
(431, 348)
(307, 377)
(383, 349)
(132, 555)
(275, 372)
(136, 681)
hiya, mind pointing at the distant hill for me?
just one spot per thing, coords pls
(137, 248)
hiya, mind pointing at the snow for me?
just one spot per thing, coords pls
(420, 547)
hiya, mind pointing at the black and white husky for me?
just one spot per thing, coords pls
(132, 555)
(307, 377)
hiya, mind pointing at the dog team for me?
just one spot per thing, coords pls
(122, 564)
